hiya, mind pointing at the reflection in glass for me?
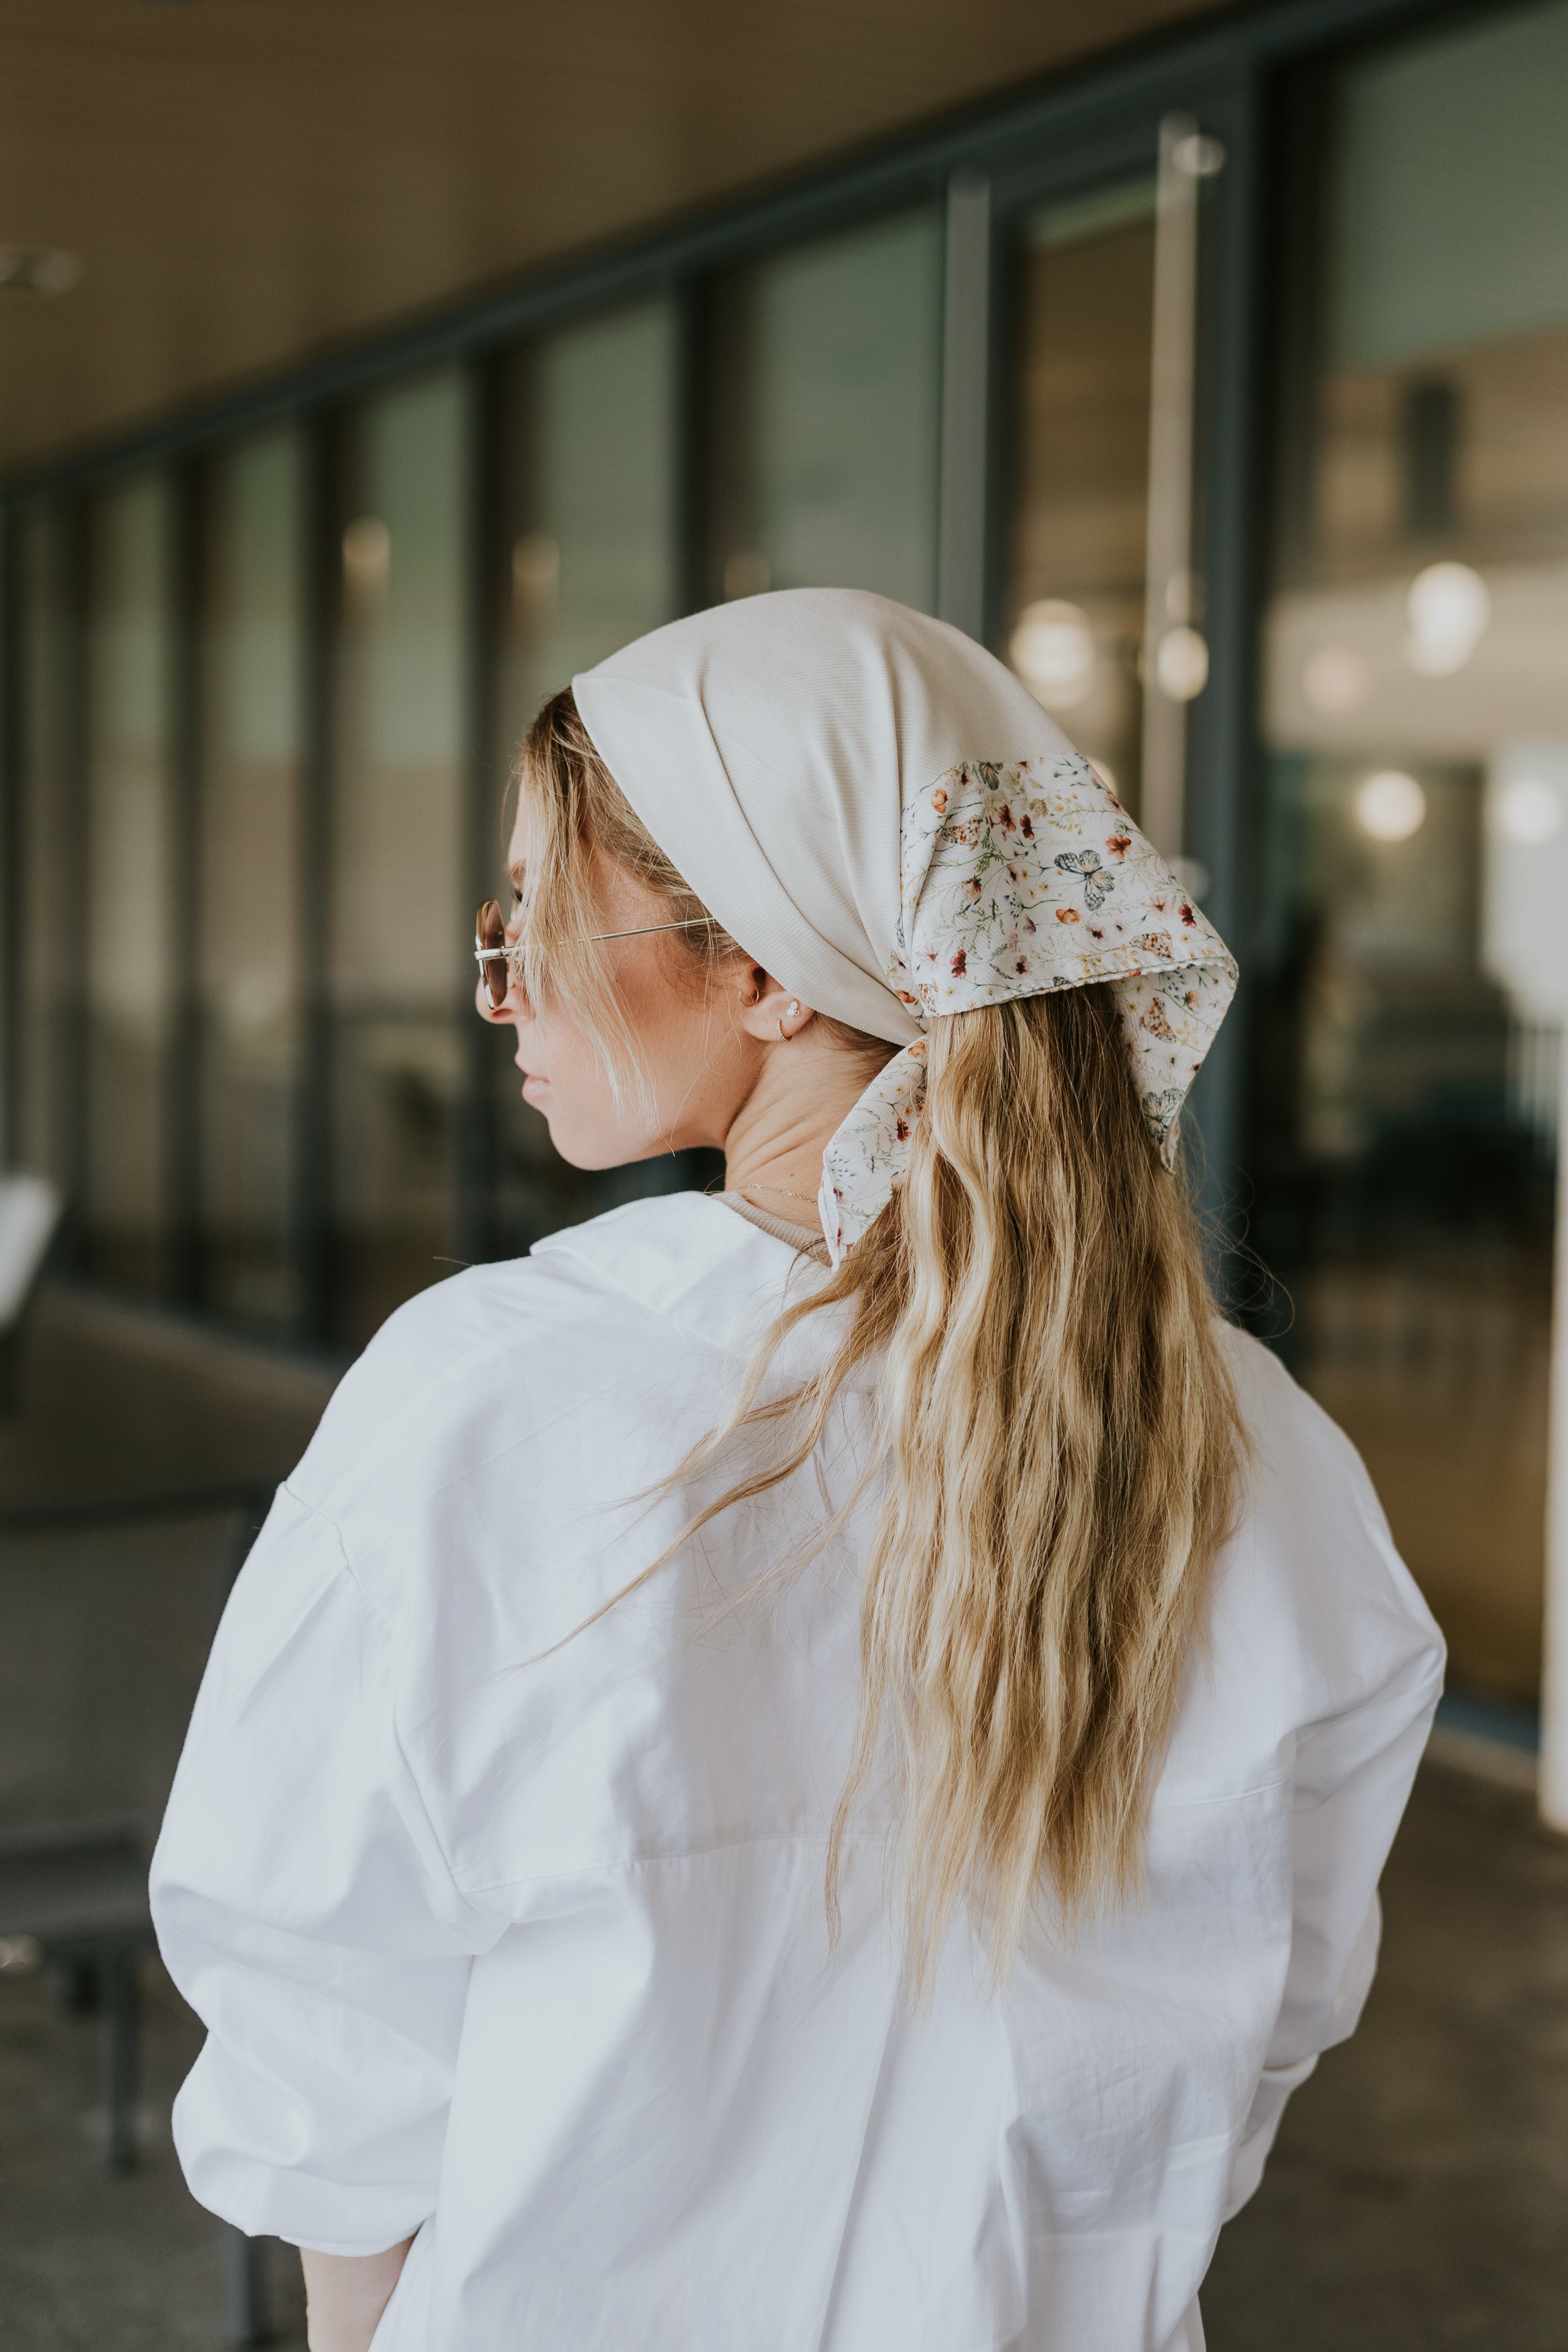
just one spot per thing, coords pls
(52, 876)
(1413, 979)
(1083, 298)
(399, 976)
(127, 874)
(826, 397)
(249, 852)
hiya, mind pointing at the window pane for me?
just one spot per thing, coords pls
(591, 529)
(53, 872)
(127, 877)
(398, 965)
(1415, 962)
(827, 400)
(590, 497)
(1082, 320)
(248, 869)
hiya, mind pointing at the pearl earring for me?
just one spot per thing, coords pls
(791, 1009)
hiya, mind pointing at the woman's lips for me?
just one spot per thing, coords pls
(533, 1088)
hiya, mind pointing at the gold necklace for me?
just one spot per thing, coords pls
(782, 1192)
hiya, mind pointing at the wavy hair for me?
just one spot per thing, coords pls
(1060, 1445)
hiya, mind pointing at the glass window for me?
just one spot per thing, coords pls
(128, 867)
(1413, 970)
(593, 561)
(53, 881)
(827, 391)
(249, 856)
(398, 968)
(1082, 323)
(589, 490)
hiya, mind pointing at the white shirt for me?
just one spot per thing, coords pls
(519, 1942)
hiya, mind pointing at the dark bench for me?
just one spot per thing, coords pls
(80, 1896)
(73, 1897)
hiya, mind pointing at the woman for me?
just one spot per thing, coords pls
(806, 1767)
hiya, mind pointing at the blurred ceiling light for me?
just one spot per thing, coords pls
(535, 567)
(1391, 805)
(37, 270)
(1181, 665)
(746, 574)
(1448, 609)
(1198, 155)
(1336, 680)
(1052, 649)
(1528, 811)
(367, 552)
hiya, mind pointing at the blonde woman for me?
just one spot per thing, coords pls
(802, 1770)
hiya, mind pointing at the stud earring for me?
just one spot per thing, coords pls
(791, 1009)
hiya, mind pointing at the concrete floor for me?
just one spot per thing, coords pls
(1416, 2201)
(1417, 2197)
(89, 2262)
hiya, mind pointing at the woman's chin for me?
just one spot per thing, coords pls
(593, 1150)
(589, 1152)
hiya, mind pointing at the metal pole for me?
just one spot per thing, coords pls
(320, 560)
(1554, 1785)
(120, 2029)
(245, 2284)
(183, 1081)
(965, 390)
(1219, 795)
(12, 896)
(1175, 655)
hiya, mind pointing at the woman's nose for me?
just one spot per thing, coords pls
(508, 1009)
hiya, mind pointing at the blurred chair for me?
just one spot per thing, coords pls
(31, 1211)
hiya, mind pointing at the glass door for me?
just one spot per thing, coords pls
(1082, 316)
(1413, 968)
(1102, 601)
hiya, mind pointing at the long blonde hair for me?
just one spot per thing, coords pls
(1062, 1442)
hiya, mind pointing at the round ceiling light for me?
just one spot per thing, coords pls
(367, 551)
(1391, 805)
(1447, 608)
(1528, 811)
(1181, 663)
(1052, 649)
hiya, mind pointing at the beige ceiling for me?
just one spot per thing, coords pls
(245, 181)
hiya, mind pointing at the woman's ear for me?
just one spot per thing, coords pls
(769, 1011)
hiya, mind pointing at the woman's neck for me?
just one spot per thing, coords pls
(773, 1152)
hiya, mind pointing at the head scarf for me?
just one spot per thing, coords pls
(883, 815)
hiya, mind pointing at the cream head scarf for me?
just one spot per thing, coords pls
(881, 815)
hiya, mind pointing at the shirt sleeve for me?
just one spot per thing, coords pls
(1353, 1781)
(305, 1910)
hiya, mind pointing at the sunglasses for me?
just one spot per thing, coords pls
(500, 958)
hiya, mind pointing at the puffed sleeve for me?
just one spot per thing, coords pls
(305, 1910)
(1353, 1778)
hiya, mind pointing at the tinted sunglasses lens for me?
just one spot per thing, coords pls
(490, 935)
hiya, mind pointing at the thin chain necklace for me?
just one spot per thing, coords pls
(782, 1192)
